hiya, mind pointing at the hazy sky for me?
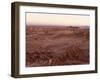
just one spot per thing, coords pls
(54, 19)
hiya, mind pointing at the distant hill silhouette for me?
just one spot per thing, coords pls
(57, 26)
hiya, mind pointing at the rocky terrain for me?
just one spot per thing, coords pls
(53, 46)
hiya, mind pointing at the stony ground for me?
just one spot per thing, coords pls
(56, 46)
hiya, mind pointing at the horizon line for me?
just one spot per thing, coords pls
(58, 25)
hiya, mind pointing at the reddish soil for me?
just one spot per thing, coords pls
(51, 46)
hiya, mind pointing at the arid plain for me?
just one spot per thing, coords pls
(56, 45)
